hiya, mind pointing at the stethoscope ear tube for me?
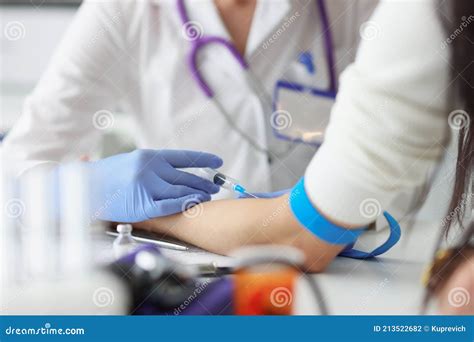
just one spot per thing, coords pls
(240, 131)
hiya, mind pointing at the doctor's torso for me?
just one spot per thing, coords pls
(152, 81)
(175, 112)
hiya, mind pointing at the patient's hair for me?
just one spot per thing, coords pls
(458, 19)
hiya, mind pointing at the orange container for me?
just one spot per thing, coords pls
(265, 292)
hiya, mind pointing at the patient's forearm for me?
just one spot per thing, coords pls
(222, 226)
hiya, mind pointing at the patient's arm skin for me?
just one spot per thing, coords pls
(221, 226)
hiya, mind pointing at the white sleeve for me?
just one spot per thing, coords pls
(390, 121)
(87, 74)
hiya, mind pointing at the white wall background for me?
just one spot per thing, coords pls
(29, 36)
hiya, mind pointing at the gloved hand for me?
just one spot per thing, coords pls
(266, 194)
(145, 184)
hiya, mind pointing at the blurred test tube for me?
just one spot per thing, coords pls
(75, 244)
(38, 229)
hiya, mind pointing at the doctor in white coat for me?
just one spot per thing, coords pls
(233, 78)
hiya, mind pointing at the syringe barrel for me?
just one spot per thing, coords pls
(220, 179)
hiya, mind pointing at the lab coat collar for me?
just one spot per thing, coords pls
(203, 12)
(268, 18)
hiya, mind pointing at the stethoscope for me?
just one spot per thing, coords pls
(200, 41)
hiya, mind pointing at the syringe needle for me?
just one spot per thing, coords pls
(249, 194)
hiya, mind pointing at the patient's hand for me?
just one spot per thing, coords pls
(221, 226)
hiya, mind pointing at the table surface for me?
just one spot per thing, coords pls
(388, 285)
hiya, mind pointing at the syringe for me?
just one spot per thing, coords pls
(225, 182)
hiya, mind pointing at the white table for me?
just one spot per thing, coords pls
(388, 285)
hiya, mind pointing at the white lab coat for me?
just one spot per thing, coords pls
(131, 56)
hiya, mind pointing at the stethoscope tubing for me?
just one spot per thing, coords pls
(252, 80)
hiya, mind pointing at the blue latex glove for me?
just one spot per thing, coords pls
(145, 184)
(266, 194)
